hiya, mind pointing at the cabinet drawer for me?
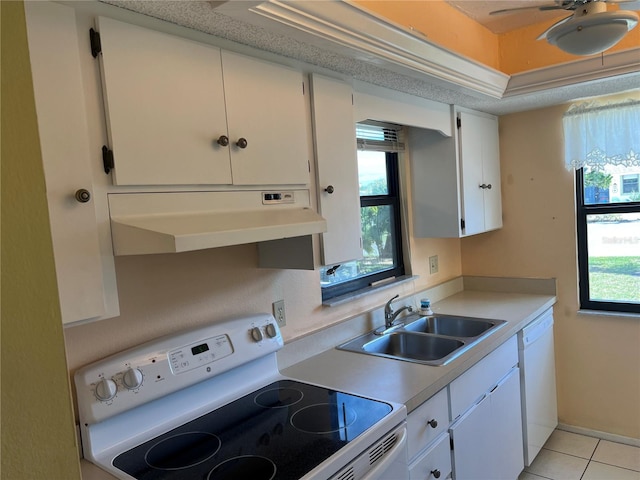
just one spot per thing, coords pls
(435, 461)
(479, 379)
(427, 421)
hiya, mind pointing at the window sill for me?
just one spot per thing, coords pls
(608, 313)
(347, 297)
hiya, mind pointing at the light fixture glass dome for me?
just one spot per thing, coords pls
(591, 34)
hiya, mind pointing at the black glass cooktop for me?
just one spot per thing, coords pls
(279, 432)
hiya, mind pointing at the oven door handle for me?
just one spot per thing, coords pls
(391, 456)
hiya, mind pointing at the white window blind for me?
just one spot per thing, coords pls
(379, 137)
(596, 135)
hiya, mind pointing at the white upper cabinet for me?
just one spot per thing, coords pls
(181, 112)
(266, 106)
(480, 170)
(337, 169)
(84, 270)
(456, 180)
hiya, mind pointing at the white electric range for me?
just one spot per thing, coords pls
(211, 404)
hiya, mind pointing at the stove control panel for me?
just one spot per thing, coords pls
(155, 369)
(200, 353)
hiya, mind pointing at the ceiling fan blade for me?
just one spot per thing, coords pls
(531, 7)
(543, 35)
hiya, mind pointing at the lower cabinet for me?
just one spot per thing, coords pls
(434, 462)
(471, 429)
(487, 439)
(428, 439)
(486, 433)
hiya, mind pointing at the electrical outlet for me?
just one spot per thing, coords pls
(278, 313)
(433, 264)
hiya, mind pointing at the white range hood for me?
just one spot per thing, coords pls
(145, 223)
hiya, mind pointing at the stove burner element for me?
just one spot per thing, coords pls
(278, 397)
(246, 466)
(183, 450)
(324, 418)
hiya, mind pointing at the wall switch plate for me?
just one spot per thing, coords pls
(279, 314)
(433, 264)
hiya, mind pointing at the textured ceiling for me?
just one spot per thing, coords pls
(479, 11)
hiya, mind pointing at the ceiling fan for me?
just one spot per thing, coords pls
(590, 29)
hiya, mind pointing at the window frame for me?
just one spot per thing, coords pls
(393, 198)
(582, 212)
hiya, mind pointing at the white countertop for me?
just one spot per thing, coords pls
(406, 382)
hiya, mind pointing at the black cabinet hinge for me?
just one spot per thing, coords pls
(96, 45)
(107, 159)
(458, 122)
(462, 223)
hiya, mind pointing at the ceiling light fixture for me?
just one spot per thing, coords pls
(591, 29)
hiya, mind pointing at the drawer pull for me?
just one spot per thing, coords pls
(433, 423)
(435, 473)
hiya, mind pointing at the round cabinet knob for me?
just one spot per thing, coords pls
(271, 330)
(329, 189)
(242, 143)
(489, 186)
(132, 378)
(433, 423)
(223, 140)
(256, 334)
(106, 389)
(435, 473)
(83, 195)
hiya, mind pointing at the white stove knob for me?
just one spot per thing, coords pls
(106, 389)
(132, 378)
(271, 330)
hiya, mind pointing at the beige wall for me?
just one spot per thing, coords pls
(38, 435)
(598, 357)
(161, 294)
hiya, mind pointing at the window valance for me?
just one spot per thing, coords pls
(596, 135)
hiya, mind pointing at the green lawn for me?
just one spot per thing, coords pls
(614, 278)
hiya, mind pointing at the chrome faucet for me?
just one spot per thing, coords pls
(390, 316)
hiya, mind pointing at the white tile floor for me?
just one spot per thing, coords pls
(569, 456)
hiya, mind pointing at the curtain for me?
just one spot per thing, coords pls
(596, 135)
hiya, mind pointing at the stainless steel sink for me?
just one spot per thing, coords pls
(452, 326)
(413, 347)
(434, 340)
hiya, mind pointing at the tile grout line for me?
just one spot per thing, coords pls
(589, 460)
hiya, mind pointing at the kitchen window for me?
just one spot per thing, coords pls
(602, 144)
(379, 150)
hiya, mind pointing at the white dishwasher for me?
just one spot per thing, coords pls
(538, 384)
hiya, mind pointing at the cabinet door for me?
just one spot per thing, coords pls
(472, 452)
(62, 124)
(434, 463)
(507, 426)
(164, 103)
(266, 106)
(480, 173)
(491, 174)
(337, 167)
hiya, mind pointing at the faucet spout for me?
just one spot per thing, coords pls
(390, 315)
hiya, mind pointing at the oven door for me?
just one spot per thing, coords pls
(386, 459)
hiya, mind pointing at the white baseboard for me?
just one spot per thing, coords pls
(634, 442)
